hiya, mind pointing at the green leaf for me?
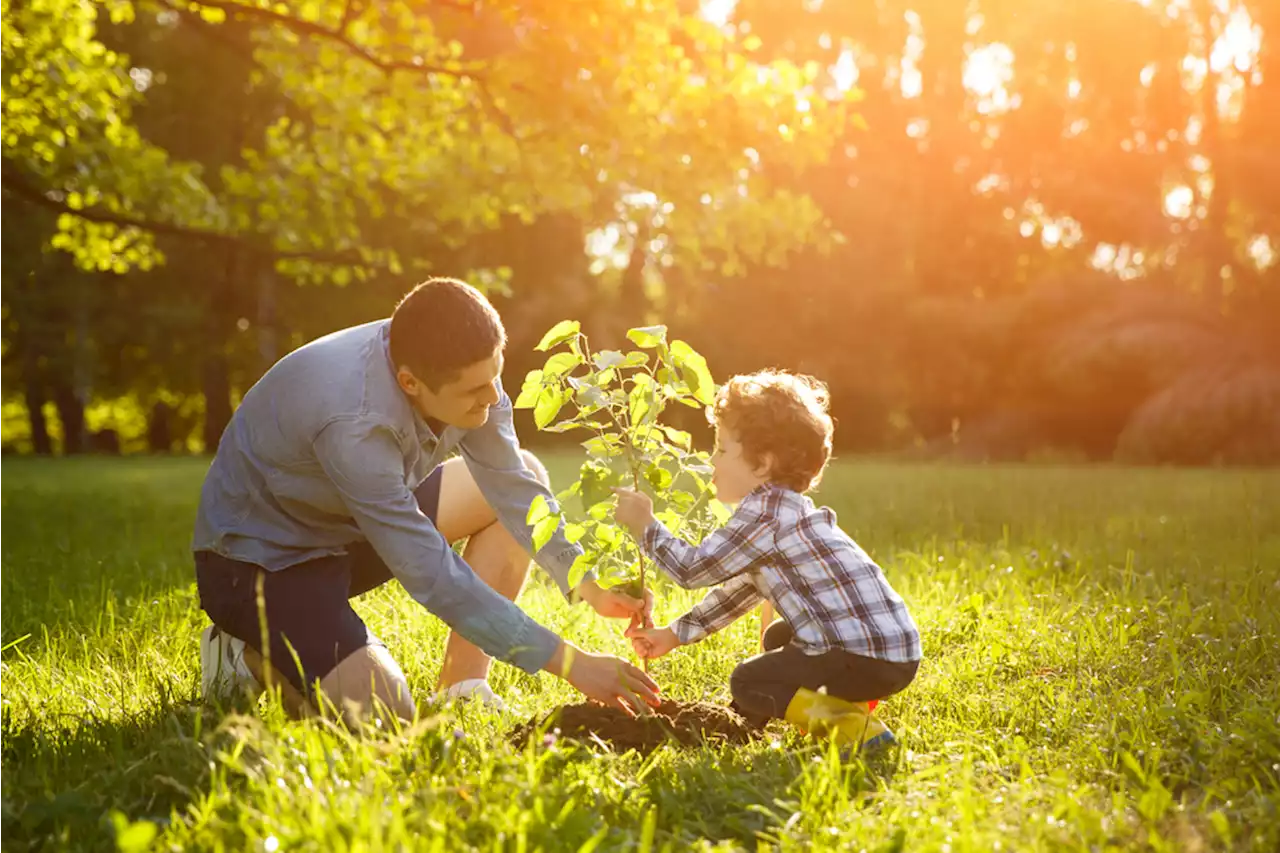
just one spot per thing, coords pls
(591, 397)
(721, 511)
(1221, 825)
(580, 567)
(538, 510)
(640, 402)
(609, 535)
(529, 392)
(599, 448)
(573, 490)
(548, 406)
(558, 334)
(660, 478)
(608, 358)
(563, 426)
(574, 532)
(544, 530)
(636, 359)
(694, 371)
(597, 485)
(678, 436)
(560, 364)
(132, 837)
(648, 337)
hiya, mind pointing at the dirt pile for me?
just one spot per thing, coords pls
(688, 724)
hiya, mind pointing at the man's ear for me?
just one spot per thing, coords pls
(408, 383)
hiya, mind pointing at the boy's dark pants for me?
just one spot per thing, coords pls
(764, 685)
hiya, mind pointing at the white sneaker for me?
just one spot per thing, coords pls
(474, 689)
(223, 672)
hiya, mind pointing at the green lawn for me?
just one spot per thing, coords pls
(1100, 673)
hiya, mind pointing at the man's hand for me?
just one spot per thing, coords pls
(608, 680)
(635, 511)
(614, 604)
(652, 643)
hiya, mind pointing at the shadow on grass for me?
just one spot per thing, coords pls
(63, 782)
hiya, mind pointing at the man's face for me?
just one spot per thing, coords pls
(463, 402)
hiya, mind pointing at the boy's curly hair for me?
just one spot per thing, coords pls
(779, 414)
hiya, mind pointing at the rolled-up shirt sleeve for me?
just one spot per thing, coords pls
(493, 456)
(365, 463)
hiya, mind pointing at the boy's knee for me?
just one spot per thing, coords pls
(534, 464)
(777, 635)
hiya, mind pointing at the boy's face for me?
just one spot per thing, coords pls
(734, 478)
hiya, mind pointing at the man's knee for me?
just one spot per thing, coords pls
(534, 464)
(369, 682)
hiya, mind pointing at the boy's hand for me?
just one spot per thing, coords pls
(652, 642)
(635, 511)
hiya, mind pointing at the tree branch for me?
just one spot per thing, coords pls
(337, 36)
(17, 184)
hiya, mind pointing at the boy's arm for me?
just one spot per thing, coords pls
(721, 608)
(725, 554)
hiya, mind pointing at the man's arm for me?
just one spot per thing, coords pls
(493, 456)
(365, 463)
(722, 607)
(724, 554)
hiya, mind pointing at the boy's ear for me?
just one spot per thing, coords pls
(765, 469)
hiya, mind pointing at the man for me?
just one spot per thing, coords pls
(329, 481)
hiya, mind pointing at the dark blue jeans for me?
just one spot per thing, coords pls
(763, 686)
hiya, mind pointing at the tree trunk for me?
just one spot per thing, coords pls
(71, 414)
(217, 399)
(34, 394)
(267, 338)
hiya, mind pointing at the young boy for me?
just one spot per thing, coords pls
(842, 627)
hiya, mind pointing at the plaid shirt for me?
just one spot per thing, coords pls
(779, 546)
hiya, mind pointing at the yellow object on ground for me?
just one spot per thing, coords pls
(849, 723)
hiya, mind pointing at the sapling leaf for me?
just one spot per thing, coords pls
(560, 364)
(538, 510)
(544, 530)
(608, 358)
(648, 337)
(558, 334)
(694, 371)
(548, 406)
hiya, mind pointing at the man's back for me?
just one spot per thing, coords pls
(267, 499)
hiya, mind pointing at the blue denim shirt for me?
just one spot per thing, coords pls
(326, 450)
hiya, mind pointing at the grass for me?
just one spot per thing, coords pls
(1100, 674)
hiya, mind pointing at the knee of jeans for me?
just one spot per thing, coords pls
(777, 635)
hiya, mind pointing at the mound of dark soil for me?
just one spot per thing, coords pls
(684, 723)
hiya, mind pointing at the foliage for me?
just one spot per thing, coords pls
(620, 398)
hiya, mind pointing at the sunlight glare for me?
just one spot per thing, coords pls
(845, 72)
(718, 12)
(1178, 201)
(986, 72)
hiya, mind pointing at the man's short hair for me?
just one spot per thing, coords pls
(782, 415)
(441, 327)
